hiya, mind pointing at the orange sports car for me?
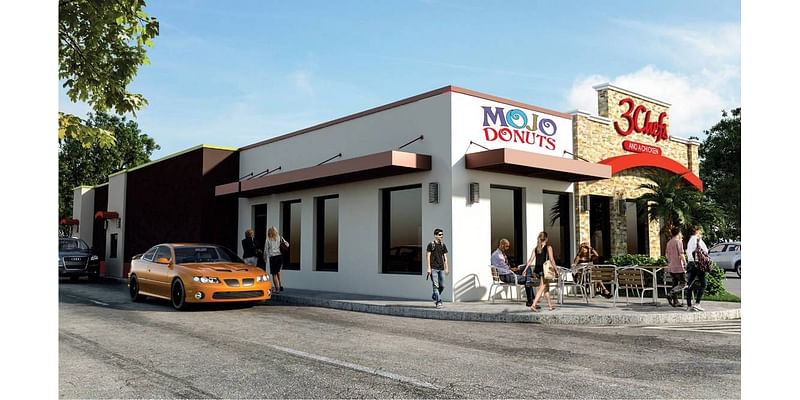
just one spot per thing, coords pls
(191, 273)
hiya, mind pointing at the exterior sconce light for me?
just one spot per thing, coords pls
(474, 193)
(433, 192)
(584, 200)
(622, 206)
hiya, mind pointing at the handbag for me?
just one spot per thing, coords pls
(284, 247)
(701, 259)
(549, 271)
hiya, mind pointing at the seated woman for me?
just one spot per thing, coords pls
(586, 255)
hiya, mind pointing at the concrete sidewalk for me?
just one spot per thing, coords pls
(574, 311)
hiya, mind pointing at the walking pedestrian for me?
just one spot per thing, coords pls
(249, 248)
(676, 266)
(273, 252)
(696, 277)
(437, 265)
(541, 253)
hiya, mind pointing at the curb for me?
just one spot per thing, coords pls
(523, 316)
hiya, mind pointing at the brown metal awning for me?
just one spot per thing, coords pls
(372, 166)
(525, 163)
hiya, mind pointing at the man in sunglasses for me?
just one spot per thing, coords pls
(437, 265)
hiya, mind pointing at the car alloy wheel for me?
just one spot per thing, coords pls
(738, 269)
(133, 288)
(178, 295)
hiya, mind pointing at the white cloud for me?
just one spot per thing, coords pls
(302, 81)
(695, 103)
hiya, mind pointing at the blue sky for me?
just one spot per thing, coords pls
(234, 73)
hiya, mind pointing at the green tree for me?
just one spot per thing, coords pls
(78, 165)
(721, 169)
(668, 200)
(101, 45)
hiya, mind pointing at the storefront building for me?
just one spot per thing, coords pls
(358, 198)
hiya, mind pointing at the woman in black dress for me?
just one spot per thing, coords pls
(541, 253)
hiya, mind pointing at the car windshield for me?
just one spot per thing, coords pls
(72, 244)
(204, 254)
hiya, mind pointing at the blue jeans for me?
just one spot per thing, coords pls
(697, 283)
(437, 280)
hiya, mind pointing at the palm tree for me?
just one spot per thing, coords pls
(669, 200)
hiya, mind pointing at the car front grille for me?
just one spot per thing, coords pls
(74, 262)
(248, 282)
(238, 295)
(232, 282)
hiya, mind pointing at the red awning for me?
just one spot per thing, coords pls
(106, 215)
(68, 221)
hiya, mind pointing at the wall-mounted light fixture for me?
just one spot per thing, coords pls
(584, 200)
(474, 192)
(433, 192)
(622, 206)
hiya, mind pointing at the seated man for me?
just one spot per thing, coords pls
(505, 271)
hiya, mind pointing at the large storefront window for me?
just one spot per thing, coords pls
(327, 257)
(600, 226)
(291, 232)
(402, 230)
(506, 221)
(637, 228)
(557, 217)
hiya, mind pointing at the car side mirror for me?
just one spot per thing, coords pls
(163, 260)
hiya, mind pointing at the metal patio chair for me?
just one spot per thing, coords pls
(631, 278)
(499, 284)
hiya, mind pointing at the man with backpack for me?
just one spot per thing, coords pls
(699, 265)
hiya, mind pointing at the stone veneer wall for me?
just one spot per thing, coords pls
(596, 140)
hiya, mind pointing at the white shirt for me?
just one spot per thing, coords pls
(691, 245)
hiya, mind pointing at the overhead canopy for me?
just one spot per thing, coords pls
(621, 163)
(371, 166)
(525, 163)
(106, 215)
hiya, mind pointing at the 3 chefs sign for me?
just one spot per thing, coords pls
(630, 119)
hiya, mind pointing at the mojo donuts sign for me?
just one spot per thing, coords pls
(637, 118)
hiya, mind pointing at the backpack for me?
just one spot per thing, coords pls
(701, 259)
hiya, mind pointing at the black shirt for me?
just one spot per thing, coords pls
(437, 250)
(249, 247)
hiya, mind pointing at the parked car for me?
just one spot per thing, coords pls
(193, 273)
(77, 259)
(728, 255)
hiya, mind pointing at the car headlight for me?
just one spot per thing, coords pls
(60, 261)
(94, 258)
(262, 278)
(205, 279)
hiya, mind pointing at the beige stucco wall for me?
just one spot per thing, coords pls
(596, 140)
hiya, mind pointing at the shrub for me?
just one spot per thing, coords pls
(716, 281)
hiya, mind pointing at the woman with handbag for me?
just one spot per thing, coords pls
(544, 267)
(273, 252)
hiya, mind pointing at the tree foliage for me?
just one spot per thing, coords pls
(672, 202)
(101, 46)
(78, 165)
(720, 170)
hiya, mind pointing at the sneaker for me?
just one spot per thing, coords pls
(690, 308)
(439, 305)
(670, 301)
(697, 307)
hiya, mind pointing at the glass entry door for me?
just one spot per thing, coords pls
(600, 226)
(506, 221)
